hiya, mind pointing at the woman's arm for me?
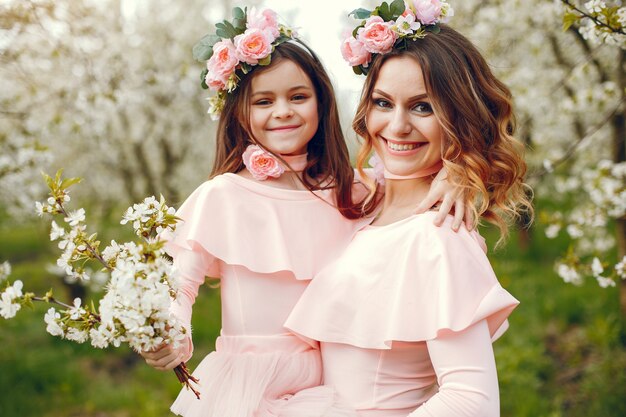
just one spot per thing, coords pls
(466, 374)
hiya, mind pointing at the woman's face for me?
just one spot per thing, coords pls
(400, 119)
(283, 109)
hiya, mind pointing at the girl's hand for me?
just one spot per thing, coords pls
(450, 196)
(165, 357)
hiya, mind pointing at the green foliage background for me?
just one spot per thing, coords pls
(562, 356)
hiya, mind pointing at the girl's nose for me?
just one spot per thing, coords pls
(282, 110)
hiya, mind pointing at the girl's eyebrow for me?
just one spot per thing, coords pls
(414, 98)
(297, 87)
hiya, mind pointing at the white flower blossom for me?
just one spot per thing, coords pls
(56, 232)
(574, 231)
(14, 291)
(8, 308)
(552, 231)
(596, 267)
(569, 274)
(76, 335)
(406, 24)
(605, 282)
(76, 312)
(5, 270)
(75, 217)
(39, 209)
(620, 268)
(53, 320)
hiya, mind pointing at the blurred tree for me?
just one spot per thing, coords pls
(569, 91)
(111, 88)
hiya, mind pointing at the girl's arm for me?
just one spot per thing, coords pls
(466, 374)
(450, 196)
(192, 266)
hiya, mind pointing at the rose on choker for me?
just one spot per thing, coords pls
(261, 163)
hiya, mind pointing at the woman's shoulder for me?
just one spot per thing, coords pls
(422, 229)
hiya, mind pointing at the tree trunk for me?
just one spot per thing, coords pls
(619, 155)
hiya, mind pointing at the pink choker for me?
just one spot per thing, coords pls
(263, 164)
(419, 174)
(296, 162)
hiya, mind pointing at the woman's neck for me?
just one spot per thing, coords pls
(401, 199)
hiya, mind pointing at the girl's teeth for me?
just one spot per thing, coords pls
(401, 147)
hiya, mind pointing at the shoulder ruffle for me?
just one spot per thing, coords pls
(265, 229)
(409, 281)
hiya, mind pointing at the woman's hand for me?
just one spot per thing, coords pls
(450, 196)
(165, 356)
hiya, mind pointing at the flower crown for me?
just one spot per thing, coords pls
(235, 48)
(390, 26)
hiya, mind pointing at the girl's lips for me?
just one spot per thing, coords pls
(284, 128)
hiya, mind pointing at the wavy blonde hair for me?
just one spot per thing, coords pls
(475, 111)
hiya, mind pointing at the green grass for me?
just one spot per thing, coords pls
(561, 357)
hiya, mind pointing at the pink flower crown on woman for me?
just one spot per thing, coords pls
(235, 48)
(391, 26)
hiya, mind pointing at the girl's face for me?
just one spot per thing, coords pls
(283, 109)
(400, 119)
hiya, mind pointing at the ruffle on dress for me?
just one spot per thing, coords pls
(263, 228)
(408, 281)
(261, 376)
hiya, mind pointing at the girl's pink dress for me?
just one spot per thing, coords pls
(265, 244)
(406, 318)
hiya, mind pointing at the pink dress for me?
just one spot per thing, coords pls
(406, 318)
(265, 244)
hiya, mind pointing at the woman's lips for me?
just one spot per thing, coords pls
(402, 147)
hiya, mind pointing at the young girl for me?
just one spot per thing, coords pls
(278, 207)
(407, 314)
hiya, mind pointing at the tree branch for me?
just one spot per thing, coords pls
(595, 19)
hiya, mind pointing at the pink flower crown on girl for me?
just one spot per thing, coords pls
(235, 48)
(391, 26)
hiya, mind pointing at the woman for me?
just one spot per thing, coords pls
(407, 314)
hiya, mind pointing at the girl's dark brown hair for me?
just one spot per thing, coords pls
(475, 111)
(328, 159)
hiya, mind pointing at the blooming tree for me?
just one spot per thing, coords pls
(569, 89)
(109, 87)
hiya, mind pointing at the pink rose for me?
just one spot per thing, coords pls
(265, 20)
(377, 36)
(221, 64)
(354, 52)
(427, 11)
(253, 45)
(261, 164)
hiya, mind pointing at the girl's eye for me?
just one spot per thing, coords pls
(262, 102)
(382, 103)
(299, 97)
(423, 108)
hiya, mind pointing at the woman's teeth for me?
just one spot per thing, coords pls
(402, 147)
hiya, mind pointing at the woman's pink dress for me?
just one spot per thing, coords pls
(406, 318)
(265, 244)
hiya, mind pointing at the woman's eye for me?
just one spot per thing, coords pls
(424, 108)
(381, 102)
